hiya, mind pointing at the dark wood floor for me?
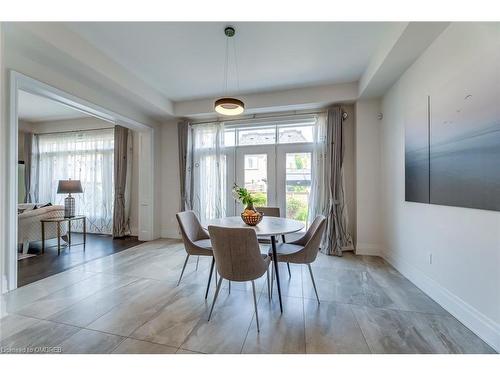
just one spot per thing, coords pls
(47, 264)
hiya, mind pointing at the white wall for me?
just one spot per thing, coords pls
(170, 180)
(368, 228)
(464, 276)
(3, 170)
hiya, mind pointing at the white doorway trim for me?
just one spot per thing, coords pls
(18, 81)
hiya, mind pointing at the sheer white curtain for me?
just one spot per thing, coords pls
(318, 199)
(86, 156)
(206, 171)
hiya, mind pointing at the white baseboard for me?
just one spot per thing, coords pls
(477, 322)
(368, 249)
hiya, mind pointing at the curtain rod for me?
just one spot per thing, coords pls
(256, 117)
(75, 131)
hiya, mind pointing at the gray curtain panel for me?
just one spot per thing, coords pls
(120, 218)
(337, 238)
(182, 134)
(28, 152)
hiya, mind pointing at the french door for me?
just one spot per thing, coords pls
(294, 173)
(255, 169)
(278, 175)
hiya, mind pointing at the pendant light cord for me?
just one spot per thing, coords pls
(226, 65)
(236, 67)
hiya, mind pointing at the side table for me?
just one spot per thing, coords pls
(58, 221)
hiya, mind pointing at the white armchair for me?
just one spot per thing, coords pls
(29, 227)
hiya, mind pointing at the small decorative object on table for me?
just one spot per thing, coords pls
(250, 215)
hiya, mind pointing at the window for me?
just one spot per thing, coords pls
(279, 132)
(298, 185)
(295, 134)
(272, 158)
(255, 176)
(257, 136)
(86, 156)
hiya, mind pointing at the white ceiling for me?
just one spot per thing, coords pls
(185, 60)
(34, 108)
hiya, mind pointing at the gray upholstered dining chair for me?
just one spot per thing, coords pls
(238, 258)
(196, 241)
(304, 250)
(272, 212)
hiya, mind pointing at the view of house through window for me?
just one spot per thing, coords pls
(256, 176)
(298, 185)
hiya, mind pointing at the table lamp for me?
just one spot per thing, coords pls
(68, 187)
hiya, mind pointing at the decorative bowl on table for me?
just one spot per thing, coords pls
(251, 217)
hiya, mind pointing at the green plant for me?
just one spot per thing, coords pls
(301, 215)
(248, 199)
(299, 162)
(260, 198)
(296, 209)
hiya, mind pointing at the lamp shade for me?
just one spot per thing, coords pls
(69, 187)
(229, 106)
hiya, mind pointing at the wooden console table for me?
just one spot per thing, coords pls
(58, 221)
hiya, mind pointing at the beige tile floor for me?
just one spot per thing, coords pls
(129, 303)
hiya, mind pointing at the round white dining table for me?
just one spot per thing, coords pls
(268, 227)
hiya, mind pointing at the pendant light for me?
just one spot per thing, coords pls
(229, 106)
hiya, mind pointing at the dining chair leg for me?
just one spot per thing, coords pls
(272, 281)
(255, 305)
(283, 238)
(314, 284)
(197, 261)
(289, 273)
(215, 297)
(210, 276)
(268, 285)
(229, 286)
(183, 268)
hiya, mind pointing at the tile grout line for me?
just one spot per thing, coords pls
(146, 341)
(93, 330)
(71, 305)
(156, 315)
(303, 308)
(361, 330)
(251, 321)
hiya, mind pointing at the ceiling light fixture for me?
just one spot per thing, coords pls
(229, 106)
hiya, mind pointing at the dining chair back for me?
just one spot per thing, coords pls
(311, 241)
(191, 231)
(305, 249)
(238, 258)
(237, 253)
(273, 212)
(269, 211)
(196, 242)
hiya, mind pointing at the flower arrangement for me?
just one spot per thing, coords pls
(250, 215)
(244, 196)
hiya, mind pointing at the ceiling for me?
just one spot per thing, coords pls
(185, 61)
(34, 108)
